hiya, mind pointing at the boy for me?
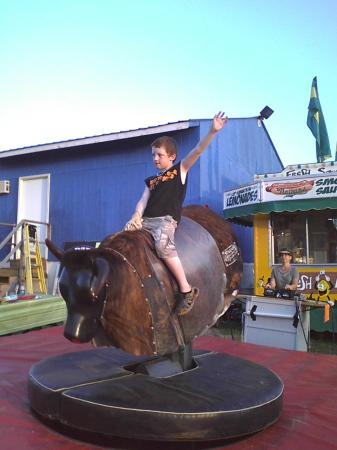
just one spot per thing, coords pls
(159, 209)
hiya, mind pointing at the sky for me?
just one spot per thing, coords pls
(77, 68)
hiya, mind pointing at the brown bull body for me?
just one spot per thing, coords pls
(123, 291)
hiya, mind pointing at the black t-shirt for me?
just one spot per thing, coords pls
(167, 194)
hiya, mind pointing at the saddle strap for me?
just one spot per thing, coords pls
(156, 266)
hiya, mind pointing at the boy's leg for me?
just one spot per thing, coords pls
(188, 293)
(176, 268)
(162, 230)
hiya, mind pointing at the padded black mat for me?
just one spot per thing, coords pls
(221, 397)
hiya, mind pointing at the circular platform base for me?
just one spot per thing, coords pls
(97, 390)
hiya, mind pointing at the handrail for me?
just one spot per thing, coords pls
(17, 227)
(10, 254)
(5, 224)
(9, 236)
(18, 245)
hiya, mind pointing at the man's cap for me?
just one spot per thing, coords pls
(285, 251)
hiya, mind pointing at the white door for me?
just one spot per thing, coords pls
(33, 204)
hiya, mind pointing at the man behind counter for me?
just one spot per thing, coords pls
(284, 276)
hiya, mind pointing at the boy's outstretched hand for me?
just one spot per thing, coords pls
(219, 121)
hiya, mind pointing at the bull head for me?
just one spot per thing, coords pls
(82, 284)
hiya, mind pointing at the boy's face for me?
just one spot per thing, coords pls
(161, 159)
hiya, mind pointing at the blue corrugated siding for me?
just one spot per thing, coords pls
(240, 151)
(94, 188)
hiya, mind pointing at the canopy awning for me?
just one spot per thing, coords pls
(243, 215)
(299, 193)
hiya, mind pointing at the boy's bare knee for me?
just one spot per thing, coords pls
(166, 251)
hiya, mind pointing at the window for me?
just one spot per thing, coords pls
(322, 231)
(312, 236)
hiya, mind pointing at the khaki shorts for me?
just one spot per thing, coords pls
(162, 230)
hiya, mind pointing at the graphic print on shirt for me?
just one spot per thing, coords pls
(167, 176)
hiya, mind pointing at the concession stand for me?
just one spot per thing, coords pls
(296, 209)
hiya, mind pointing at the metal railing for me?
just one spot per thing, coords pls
(16, 245)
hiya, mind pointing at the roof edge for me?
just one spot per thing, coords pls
(181, 125)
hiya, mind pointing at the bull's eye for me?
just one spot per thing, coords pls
(64, 284)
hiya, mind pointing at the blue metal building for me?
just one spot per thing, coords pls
(93, 184)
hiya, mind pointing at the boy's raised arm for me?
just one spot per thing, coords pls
(219, 121)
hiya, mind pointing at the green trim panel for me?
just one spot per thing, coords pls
(317, 320)
(28, 314)
(279, 206)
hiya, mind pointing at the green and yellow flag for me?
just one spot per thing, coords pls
(316, 123)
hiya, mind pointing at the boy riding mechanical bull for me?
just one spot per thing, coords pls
(159, 208)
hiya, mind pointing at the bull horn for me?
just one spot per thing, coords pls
(103, 270)
(54, 249)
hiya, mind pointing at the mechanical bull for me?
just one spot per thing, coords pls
(122, 294)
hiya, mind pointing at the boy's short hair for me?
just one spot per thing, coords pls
(168, 143)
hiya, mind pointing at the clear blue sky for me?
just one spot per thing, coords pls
(76, 68)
